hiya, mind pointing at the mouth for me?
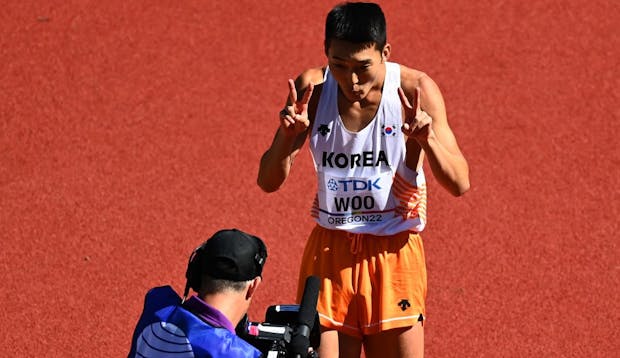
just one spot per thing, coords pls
(357, 93)
(353, 94)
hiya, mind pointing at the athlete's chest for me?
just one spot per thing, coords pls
(357, 116)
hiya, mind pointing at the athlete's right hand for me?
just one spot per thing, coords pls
(294, 117)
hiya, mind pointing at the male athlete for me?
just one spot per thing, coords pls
(370, 124)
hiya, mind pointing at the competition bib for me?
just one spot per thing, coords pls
(349, 202)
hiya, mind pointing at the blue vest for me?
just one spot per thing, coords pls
(166, 329)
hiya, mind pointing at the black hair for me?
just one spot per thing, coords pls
(356, 22)
(212, 285)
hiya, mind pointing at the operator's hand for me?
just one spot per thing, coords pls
(417, 123)
(294, 117)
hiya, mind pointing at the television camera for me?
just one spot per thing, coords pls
(288, 330)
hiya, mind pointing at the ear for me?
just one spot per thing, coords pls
(252, 287)
(385, 54)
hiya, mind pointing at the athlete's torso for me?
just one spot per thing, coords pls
(364, 185)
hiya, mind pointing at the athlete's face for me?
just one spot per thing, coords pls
(358, 68)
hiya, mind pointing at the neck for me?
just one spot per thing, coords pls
(232, 306)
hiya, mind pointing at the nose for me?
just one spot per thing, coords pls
(354, 78)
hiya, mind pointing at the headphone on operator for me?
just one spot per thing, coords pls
(197, 263)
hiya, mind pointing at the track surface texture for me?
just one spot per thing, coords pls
(130, 131)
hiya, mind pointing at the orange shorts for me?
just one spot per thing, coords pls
(369, 283)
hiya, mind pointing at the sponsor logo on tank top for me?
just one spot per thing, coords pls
(324, 129)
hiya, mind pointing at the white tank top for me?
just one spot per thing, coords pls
(364, 185)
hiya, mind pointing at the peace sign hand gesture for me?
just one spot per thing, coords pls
(417, 123)
(294, 117)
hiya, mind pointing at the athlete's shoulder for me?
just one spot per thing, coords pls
(410, 79)
(313, 75)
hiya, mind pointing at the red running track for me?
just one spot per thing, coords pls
(131, 131)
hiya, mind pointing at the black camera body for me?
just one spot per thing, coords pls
(274, 337)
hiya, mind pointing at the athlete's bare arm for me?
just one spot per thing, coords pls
(295, 120)
(428, 133)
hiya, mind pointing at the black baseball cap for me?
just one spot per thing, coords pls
(233, 255)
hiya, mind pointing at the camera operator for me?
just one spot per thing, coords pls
(225, 271)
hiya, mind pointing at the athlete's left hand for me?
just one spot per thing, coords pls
(417, 123)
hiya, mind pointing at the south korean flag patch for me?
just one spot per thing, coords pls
(388, 130)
